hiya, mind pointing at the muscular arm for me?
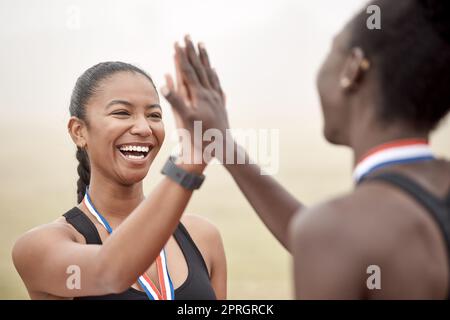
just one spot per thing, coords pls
(328, 257)
(43, 255)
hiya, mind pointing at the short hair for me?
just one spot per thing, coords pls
(411, 54)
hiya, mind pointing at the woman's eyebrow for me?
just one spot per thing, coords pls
(129, 104)
(154, 106)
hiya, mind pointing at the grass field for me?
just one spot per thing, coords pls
(38, 174)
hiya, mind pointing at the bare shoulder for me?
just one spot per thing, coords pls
(334, 243)
(206, 237)
(333, 221)
(332, 215)
(33, 243)
(365, 218)
(200, 228)
(330, 250)
(376, 224)
(43, 233)
(376, 220)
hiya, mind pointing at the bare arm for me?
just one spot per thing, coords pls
(273, 203)
(328, 257)
(43, 255)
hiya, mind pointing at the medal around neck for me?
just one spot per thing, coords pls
(392, 153)
(167, 292)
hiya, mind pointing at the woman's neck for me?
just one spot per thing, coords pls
(112, 200)
(363, 143)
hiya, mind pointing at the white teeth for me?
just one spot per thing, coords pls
(130, 156)
(135, 148)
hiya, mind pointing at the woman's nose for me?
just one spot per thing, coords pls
(142, 127)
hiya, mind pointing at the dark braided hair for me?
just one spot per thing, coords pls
(411, 52)
(85, 87)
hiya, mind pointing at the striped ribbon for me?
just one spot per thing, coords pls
(391, 153)
(144, 280)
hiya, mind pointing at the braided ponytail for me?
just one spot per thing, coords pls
(84, 173)
(85, 87)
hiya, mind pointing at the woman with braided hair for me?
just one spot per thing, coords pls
(382, 94)
(117, 243)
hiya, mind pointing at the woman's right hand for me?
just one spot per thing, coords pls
(198, 95)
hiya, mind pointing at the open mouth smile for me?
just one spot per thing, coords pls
(135, 151)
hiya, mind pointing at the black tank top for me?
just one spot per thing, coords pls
(197, 285)
(439, 209)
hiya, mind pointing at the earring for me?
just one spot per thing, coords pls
(345, 83)
(365, 64)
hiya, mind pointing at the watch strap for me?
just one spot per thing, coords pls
(187, 180)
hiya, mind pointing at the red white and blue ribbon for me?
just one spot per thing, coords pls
(392, 153)
(167, 292)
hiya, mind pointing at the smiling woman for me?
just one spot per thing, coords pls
(122, 112)
(138, 150)
(116, 124)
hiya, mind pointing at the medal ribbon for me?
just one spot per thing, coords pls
(144, 280)
(391, 153)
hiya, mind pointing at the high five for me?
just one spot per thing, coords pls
(381, 95)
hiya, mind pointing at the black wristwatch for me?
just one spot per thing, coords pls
(188, 180)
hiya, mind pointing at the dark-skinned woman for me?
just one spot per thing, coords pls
(382, 94)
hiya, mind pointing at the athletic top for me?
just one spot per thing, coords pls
(197, 285)
(439, 209)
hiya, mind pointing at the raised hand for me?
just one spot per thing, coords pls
(198, 95)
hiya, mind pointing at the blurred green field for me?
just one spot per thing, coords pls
(38, 173)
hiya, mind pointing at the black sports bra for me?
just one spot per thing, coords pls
(197, 285)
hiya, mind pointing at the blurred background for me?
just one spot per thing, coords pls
(267, 54)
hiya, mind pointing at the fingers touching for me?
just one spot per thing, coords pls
(197, 65)
(211, 73)
(181, 84)
(175, 99)
(193, 72)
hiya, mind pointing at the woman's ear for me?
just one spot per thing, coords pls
(77, 130)
(355, 66)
